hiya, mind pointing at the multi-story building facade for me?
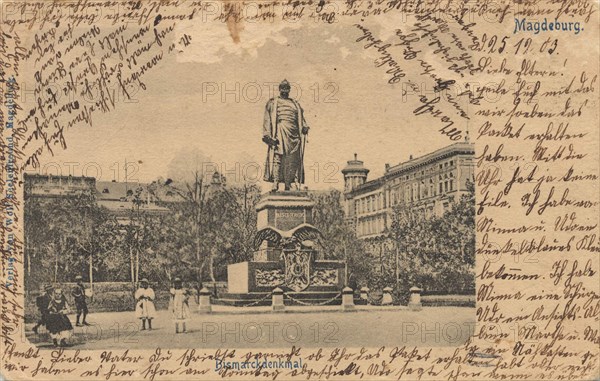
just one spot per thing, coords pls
(117, 197)
(47, 186)
(427, 184)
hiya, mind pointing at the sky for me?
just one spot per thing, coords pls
(207, 103)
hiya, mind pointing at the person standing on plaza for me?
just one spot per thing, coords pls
(180, 307)
(57, 322)
(78, 294)
(144, 308)
(42, 303)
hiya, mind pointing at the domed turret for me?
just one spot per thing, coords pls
(355, 174)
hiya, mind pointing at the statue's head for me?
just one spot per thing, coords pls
(284, 88)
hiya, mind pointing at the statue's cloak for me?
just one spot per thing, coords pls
(291, 142)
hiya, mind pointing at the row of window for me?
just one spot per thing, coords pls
(422, 190)
(429, 170)
(376, 224)
(408, 193)
(370, 203)
(370, 225)
(436, 183)
(354, 181)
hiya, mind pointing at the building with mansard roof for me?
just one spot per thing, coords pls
(117, 197)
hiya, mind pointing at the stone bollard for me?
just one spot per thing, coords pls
(387, 297)
(414, 302)
(347, 299)
(364, 294)
(204, 307)
(278, 300)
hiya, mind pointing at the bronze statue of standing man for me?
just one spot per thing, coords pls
(284, 131)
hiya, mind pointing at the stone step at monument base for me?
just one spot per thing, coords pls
(327, 298)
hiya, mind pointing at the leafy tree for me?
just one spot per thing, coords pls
(212, 226)
(437, 253)
(67, 237)
(340, 241)
(188, 218)
(231, 225)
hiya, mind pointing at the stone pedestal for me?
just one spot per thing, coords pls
(277, 262)
(414, 303)
(283, 211)
(364, 295)
(387, 299)
(277, 300)
(347, 299)
(204, 306)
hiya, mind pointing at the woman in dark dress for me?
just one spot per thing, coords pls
(58, 323)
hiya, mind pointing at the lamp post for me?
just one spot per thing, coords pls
(345, 266)
(397, 266)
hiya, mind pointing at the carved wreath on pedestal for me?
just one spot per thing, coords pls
(297, 248)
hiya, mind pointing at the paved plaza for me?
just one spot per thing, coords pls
(327, 326)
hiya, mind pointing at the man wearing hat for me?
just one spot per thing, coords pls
(78, 294)
(42, 303)
(283, 128)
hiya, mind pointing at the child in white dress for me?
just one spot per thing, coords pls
(180, 304)
(144, 308)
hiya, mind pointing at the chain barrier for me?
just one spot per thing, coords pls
(370, 299)
(258, 301)
(246, 305)
(375, 301)
(313, 304)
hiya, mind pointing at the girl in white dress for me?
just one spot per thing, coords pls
(144, 308)
(180, 306)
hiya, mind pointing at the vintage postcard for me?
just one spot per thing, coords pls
(300, 190)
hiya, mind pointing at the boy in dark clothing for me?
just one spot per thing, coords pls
(42, 303)
(78, 294)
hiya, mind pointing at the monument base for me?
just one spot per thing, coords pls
(287, 256)
(284, 210)
(253, 277)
